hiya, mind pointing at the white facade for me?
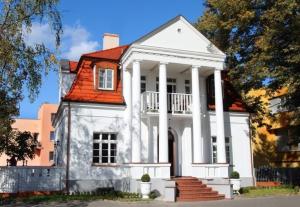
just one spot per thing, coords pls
(165, 130)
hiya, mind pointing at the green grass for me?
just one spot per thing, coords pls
(271, 191)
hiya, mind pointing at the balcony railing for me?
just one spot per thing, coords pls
(178, 103)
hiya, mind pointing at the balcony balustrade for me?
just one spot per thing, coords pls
(178, 103)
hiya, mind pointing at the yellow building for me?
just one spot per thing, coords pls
(277, 143)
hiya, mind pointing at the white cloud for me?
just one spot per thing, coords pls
(39, 33)
(75, 40)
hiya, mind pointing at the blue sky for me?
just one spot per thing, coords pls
(84, 23)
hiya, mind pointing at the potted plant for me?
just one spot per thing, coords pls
(145, 186)
(235, 181)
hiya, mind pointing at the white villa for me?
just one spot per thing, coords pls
(161, 105)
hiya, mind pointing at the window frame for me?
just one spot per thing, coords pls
(52, 133)
(214, 160)
(109, 142)
(51, 153)
(105, 81)
(143, 82)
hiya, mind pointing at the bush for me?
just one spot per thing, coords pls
(244, 190)
(145, 178)
(235, 175)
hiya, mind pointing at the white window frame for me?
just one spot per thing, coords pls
(187, 85)
(144, 81)
(105, 79)
(214, 144)
(100, 141)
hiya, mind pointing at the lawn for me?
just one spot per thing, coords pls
(270, 191)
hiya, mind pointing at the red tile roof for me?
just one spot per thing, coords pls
(84, 89)
(110, 54)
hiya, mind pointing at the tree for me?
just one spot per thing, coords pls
(262, 44)
(22, 64)
(21, 146)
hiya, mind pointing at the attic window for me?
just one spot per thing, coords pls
(106, 77)
(179, 30)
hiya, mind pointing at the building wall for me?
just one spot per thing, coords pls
(42, 126)
(265, 140)
(89, 118)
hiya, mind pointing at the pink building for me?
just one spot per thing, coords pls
(42, 128)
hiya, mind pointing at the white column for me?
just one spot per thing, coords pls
(136, 112)
(163, 115)
(197, 136)
(127, 91)
(221, 156)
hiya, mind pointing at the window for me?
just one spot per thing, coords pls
(36, 136)
(187, 86)
(171, 85)
(52, 116)
(288, 138)
(143, 84)
(210, 85)
(215, 149)
(106, 79)
(52, 136)
(51, 156)
(104, 148)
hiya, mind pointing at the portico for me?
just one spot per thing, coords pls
(165, 107)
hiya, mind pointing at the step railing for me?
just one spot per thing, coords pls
(177, 103)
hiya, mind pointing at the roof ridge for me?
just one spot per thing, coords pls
(105, 50)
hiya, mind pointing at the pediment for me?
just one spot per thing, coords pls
(179, 34)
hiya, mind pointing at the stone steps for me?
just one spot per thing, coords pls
(192, 189)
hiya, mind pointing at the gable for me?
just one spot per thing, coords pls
(178, 34)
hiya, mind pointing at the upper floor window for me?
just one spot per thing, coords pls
(104, 148)
(52, 136)
(187, 86)
(171, 85)
(143, 84)
(288, 138)
(106, 79)
(210, 87)
(52, 116)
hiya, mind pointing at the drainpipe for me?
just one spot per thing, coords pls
(68, 148)
(251, 150)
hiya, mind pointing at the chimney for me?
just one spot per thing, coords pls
(110, 41)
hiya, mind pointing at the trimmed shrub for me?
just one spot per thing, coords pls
(235, 175)
(145, 178)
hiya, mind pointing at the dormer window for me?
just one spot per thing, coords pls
(106, 79)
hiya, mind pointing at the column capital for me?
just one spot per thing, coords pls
(163, 63)
(195, 66)
(137, 61)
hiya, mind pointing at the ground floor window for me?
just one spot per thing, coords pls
(215, 149)
(51, 156)
(104, 148)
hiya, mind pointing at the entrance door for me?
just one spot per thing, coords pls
(172, 152)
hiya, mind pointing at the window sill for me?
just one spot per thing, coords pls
(105, 165)
(106, 89)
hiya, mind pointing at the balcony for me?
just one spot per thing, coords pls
(178, 103)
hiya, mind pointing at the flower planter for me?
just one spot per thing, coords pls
(236, 185)
(145, 189)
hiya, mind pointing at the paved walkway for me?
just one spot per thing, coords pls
(279, 201)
